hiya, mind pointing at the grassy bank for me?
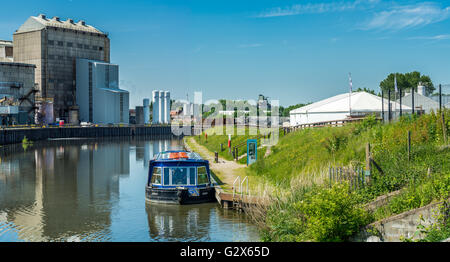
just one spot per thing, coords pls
(219, 135)
(305, 208)
(312, 211)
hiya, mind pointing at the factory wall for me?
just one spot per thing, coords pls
(98, 94)
(54, 51)
(17, 83)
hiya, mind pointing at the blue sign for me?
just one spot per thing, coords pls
(252, 151)
(193, 192)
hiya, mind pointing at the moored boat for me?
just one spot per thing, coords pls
(179, 177)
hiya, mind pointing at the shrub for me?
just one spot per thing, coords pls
(321, 214)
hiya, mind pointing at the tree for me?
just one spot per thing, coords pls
(370, 91)
(407, 81)
(284, 111)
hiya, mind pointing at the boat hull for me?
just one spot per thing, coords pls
(180, 196)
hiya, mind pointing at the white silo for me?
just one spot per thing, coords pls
(156, 106)
(421, 89)
(161, 107)
(167, 107)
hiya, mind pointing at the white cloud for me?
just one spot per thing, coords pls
(409, 16)
(315, 8)
(436, 37)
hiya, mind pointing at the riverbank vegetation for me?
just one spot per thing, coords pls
(298, 168)
(212, 139)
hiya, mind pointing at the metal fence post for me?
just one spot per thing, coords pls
(389, 105)
(382, 105)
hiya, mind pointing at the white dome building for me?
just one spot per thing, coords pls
(338, 108)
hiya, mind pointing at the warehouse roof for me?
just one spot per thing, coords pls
(360, 102)
(420, 100)
(6, 43)
(16, 64)
(40, 22)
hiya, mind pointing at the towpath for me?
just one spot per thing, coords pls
(226, 170)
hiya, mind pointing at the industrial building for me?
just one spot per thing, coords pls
(98, 94)
(146, 111)
(6, 51)
(343, 106)
(139, 115)
(161, 107)
(17, 89)
(421, 101)
(54, 45)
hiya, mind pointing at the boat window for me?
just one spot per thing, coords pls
(156, 176)
(166, 176)
(202, 175)
(179, 176)
(192, 176)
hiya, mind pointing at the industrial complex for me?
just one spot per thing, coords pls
(59, 70)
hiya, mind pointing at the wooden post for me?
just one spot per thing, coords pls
(368, 163)
(409, 145)
(368, 156)
(329, 174)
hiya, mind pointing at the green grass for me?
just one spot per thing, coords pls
(299, 163)
(239, 137)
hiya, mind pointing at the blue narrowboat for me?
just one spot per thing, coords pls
(179, 177)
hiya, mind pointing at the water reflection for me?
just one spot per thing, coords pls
(55, 192)
(146, 150)
(93, 190)
(205, 222)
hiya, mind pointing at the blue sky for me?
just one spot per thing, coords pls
(293, 51)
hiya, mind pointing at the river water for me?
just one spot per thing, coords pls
(94, 190)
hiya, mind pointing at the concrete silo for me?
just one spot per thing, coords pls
(156, 106)
(161, 107)
(146, 111)
(167, 107)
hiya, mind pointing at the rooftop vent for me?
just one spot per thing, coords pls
(56, 18)
(81, 22)
(69, 21)
(42, 16)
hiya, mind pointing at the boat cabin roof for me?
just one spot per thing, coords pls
(177, 156)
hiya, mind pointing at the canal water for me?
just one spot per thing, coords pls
(94, 190)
